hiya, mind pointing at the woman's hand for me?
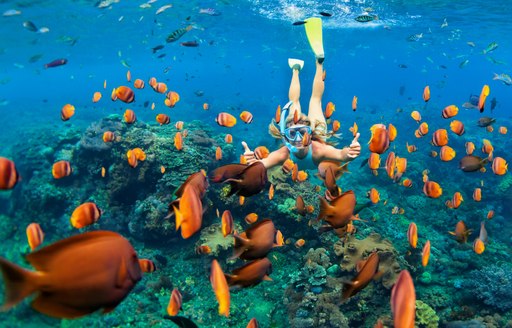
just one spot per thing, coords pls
(248, 154)
(354, 149)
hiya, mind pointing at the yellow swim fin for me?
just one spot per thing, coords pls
(314, 33)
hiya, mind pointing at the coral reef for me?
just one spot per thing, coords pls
(212, 236)
(493, 285)
(354, 250)
(426, 317)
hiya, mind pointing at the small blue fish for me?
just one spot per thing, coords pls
(415, 37)
(174, 36)
(491, 47)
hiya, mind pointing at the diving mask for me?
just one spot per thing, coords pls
(296, 133)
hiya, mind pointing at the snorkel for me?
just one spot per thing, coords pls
(282, 126)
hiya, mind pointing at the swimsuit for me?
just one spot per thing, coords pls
(305, 163)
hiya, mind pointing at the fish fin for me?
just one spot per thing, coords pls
(170, 214)
(179, 217)
(378, 275)
(360, 265)
(46, 305)
(236, 253)
(241, 244)
(451, 233)
(19, 283)
(267, 278)
(324, 208)
(229, 279)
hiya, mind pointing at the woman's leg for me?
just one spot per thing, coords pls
(294, 92)
(315, 113)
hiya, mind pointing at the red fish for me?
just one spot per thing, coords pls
(367, 270)
(250, 274)
(227, 223)
(61, 169)
(64, 286)
(256, 241)
(340, 211)
(9, 176)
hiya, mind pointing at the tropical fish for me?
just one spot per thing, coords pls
(123, 93)
(367, 270)
(67, 112)
(147, 266)
(65, 287)
(329, 109)
(457, 127)
(129, 116)
(251, 218)
(220, 288)
(485, 121)
(379, 140)
(490, 47)
(403, 301)
(227, 223)
(450, 111)
(426, 93)
(35, 235)
(412, 234)
(246, 117)
(253, 323)
(499, 166)
(85, 215)
(432, 189)
(61, 169)
(340, 211)
(250, 274)
(461, 232)
(244, 180)
(225, 119)
(209, 11)
(96, 97)
(191, 44)
(174, 36)
(366, 18)
(56, 62)
(163, 119)
(189, 212)
(415, 37)
(175, 301)
(255, 242)
(471, 163)
(297, 23)
(505, 78)
(425, 253)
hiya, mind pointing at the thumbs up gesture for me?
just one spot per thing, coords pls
(355, 148)
(248, 154)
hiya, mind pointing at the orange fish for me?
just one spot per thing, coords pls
(251, 218)
(470, 147)
(487, 148)
(139, 153)
(392, 132)
(425, 253)
(329, 109)
(503, 130)
(218, 153)
(374, 195)
(277, 117)
(241, 200)
(379, 141)
(457, 127)
(447, 153)
(288, 166)
(483, 96)
(478, 246)
(374, 162)
(162, 169)
(225, 119)
(335, 126)
(354, 103)
(163, 119)
(189, 212)
(416, 116)
(128, 76)
(228, 138)
(67, 112)
(109, 136)
(132, 158)
(477, 194)
(450, 111)
(179, 125)
(103, 172)
(178, 141)
(220, 287)
(123, 93)
(206, 106)
(411, 148)
(490, 214)
(426, 93)
(160, 87)
(295, 172)
(147, 266)
(129, 116)
(246, 117)
(61, 169)
(432, 189)
(433, 153)
(407, 183)
(261, 152)
(457, 199)
(152, 82)
(138, 84)
(461, 232)
(253, 323)
(390, 164)
(302, 176)
(412, 234)
(401, 165)
(203, 249)
(489, 128)
(499, 166)
(423, 129)
(227, 223)
(66, 288)
(35, 235)
(174, 305)
(96, 97)
(440, 138)
(271, 192)
(366, 271)
(173, 98)
(403, 301)
(299, 243)
(85, 215)
(104, 84)
(354, 129)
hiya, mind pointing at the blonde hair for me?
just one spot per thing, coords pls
(319, 133)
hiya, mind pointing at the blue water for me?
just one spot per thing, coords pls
(241, 64)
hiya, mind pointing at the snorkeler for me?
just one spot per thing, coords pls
(308, 154)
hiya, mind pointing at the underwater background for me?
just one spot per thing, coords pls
(237, 60)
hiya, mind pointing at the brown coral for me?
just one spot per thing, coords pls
(353, 250)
